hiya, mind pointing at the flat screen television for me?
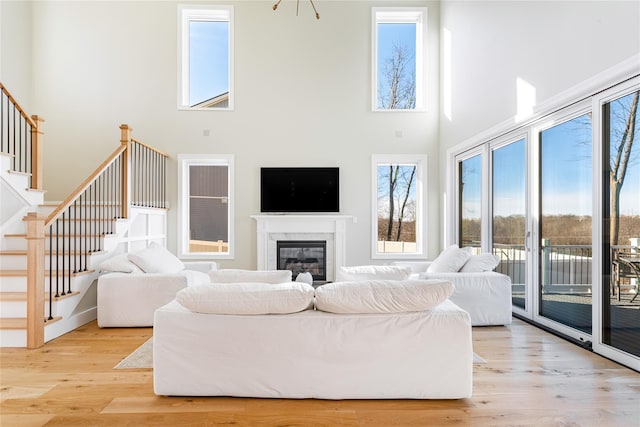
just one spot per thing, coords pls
(306, 189)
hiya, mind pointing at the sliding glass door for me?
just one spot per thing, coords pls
(565, 223)
(621, 223)
(558, 200)
(509, 215)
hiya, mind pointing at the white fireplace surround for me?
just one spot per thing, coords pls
(280, 227)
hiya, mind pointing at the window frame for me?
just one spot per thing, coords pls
(418, 16)
(421, 201)
(184, 162)
(186, 14)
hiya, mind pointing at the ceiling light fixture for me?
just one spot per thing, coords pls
(275, 6)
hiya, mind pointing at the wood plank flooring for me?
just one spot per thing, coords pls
(531, 378)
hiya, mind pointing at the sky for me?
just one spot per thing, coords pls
(566, 168)
(209, 59)
(509, 179)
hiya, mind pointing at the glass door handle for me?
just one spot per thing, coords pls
(526, 241)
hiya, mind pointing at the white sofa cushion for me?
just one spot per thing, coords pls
(203, 266)
(415, 266)
(481, 262)
(118, 264)
(367, 272)
(382, 296)
(247, 298)
(156, 259)
(450, 260)
(195, 277)
(255, 276)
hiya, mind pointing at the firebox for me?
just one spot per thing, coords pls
(301, 256)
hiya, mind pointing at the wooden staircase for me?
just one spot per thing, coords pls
(50, 252)
(13, 266)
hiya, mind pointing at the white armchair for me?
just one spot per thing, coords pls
(128, 296)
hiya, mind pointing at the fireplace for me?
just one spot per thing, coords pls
(302, 256)
(329, 228)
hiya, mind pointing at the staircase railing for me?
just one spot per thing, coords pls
(21, 137)
(134, 174)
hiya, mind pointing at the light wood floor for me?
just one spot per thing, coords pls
(531, 378)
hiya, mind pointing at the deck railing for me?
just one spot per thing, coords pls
(566, 265)
(512, 262)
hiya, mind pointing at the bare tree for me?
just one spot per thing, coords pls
(619, 164)
(399, 84)
(404, 202)
(393, 182)
(400, 180)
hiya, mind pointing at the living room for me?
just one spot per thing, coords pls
(301, 90)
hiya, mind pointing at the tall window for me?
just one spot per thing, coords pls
(398, 68)
(205, 224)
(470, 194)
(398, 194)
(206, 52)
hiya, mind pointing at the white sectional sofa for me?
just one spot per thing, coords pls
(377, 344)
(136, 284)
(485, 295)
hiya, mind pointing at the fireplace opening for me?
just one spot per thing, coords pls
(302, 256)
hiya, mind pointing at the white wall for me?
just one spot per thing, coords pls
(302, 98)
(15, 50)
(552, 45)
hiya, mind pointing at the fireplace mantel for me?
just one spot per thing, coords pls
(290, 226)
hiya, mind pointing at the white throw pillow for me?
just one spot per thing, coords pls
(382, 296)
(305, 277)
(482, 262)
(367, 272)
(255, 276)
(156, 259)
(119, 264)
(450, 260)
(247, 298)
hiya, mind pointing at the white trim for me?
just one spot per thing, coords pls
(421, 199)
(418, 16)
(184, 161)
(186, 13)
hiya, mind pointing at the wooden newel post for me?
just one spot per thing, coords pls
(37, 154)
(125, 181)
(35, 279)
